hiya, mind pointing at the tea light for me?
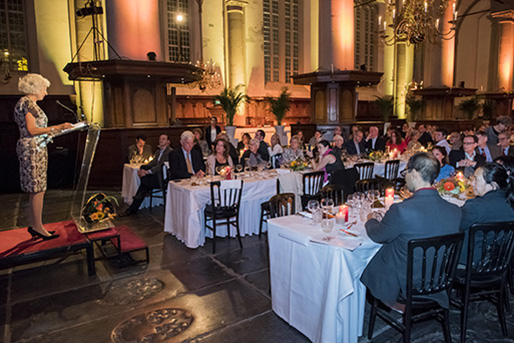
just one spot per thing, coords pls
(342, 215)
(459, 176)
(390, 192)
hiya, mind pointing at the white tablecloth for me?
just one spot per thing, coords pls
(185, 204)
(130, 185)
(315, 287)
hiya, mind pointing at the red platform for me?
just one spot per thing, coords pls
(18, 247)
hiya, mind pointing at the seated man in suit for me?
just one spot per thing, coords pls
(425, 136)
(186, 161)
(385, 275)
(151, 175)
(467, 160)
(374, 142)
(486, 149)
(505, 148)
(139, 151)
(211, 132)
(263, 146)
(355, 146)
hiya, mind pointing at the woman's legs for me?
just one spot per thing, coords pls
(36, 212)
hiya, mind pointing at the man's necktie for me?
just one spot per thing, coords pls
(483, 153)
(188, 162)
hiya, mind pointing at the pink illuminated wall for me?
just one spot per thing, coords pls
(342, 34)
(506, 55)
(133, 28)
(447, 48)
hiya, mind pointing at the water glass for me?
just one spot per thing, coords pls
(317, 215)
(327, 225)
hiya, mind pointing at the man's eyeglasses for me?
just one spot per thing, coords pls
(403, 172)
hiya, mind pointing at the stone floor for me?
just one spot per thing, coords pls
(221, 297)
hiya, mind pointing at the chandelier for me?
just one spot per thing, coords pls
(414, 21)
(207, 76)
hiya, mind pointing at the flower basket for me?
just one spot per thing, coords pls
(375, 156)
(99, 208)
(298, 165)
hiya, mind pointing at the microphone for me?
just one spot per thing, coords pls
(67, 108)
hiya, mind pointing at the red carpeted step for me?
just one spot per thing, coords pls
(129, 240)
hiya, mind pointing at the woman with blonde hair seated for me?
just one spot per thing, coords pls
(219, 156)
(275, 147)
(294, 151)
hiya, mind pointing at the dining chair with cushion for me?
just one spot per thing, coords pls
(379, 184)
(224, 208)
(312, 183)
(282, 205)
(160, 192)
(365, 170)
(489, 253)
(266, 211)
(431, 267)
(334, 192)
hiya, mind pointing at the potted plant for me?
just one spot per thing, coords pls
(470, 106)
(488, 109)
(415, 106)
(279, 107)
(229, 100)
(385, 106)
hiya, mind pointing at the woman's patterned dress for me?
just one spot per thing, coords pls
(31, 150)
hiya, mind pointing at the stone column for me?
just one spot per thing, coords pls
(505, 49)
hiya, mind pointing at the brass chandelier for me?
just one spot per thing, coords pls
(207, 75)
(414, 21)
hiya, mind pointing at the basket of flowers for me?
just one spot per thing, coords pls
(298, 164)
(452, 186)
(99, 208)
(375, 156)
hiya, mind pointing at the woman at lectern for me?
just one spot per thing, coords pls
(31, 149)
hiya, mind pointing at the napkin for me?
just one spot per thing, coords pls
(305, 214)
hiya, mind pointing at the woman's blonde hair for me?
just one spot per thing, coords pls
(32, 83)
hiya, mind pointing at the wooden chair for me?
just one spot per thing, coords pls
(282, 205)
(224, 206)
(391, 169)
(334, 192)
(365, 170)
(312, 183)
(160, 192)
(379, 184)
(437, 259)
(266, 210)
(489, 253)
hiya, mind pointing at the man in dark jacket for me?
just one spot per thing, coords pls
(263, 146)
(467, 159)
(186, 161)
(374, 142)
(356, 146)
(212, 131)
(423, 215)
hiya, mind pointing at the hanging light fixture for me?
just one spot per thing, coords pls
(207, 76)
(414, 21)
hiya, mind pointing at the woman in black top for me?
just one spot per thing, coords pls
(329, 161)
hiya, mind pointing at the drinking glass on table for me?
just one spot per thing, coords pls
(328, 205)
(327, 225)
(239, 167)
(313, 207)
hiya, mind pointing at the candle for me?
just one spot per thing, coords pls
(394, 13)
(385, 25)
(437, 24)
(345, 210)
(332, 68)
(379, 20)
(390, 192)
(455, 16)
(389, 200)
(340, 218)
(460, 176)
(426, 6)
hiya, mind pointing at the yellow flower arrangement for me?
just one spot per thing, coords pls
(298, 164)
(99, 207)
(375, 156)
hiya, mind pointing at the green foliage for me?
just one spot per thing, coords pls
(415, 105)
(488, 108)
(470, 106)
(229, 100)
(280, 105)
(385, 105)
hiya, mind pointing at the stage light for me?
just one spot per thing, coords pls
(89, 9)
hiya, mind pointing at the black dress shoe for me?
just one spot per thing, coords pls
(126, 213)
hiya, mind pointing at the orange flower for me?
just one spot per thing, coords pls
(449, 186)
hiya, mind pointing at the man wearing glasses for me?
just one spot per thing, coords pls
(505, 148)
(425, 214)
(467, 159)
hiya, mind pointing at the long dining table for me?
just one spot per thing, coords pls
(186, 201)
(315, 287)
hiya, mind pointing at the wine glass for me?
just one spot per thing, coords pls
(239, 167)
(327, 204)
(313, 207)
(327, 225)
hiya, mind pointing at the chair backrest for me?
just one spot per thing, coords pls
(431, 264)
(226, 194)
(489, 248)
(379, 184)
(275, 160)
(334, 192)
(365, 170)
(282, 205)
(391, 169)
(163, 176)
(312, 182)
